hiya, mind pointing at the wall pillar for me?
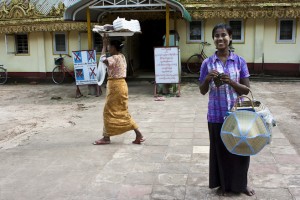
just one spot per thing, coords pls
(259, 32)
(89, 29)
(41, 55)
(167, 25)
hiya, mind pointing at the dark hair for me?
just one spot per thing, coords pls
(223, 26)
(117, 44)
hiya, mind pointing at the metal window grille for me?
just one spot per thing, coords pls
(286, 29)
(195, 30)
(21, 43)
(60, 42)
(236, 29)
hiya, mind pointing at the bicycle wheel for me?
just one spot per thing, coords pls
(193, 64)
(3, 75)
(58, 74)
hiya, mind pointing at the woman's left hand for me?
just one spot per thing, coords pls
(105, 62)
(226, 79)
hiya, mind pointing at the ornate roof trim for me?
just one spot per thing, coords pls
(238, 5)
(18, 17)
(18, 10)
(44, 27)
(278, 12)
(239, 2)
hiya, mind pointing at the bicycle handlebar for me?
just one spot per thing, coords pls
(205, 43)
(63, 57)
(60, 55)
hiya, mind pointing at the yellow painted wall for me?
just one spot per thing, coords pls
(280, 53)
(246, 49)
(73, 44)
(187, 48)
(25, 63)
(260, 38)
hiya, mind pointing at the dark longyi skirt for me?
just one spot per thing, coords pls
(226, 170)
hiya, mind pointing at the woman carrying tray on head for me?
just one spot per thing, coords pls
(116, 117)
(225, 75)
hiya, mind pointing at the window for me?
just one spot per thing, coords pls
(60, 43)
(97, 42)
(286, 31)
(195, 31)
(21, 44)
(17, 43)
(237, 31)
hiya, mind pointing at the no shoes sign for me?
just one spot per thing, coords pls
(85, 67)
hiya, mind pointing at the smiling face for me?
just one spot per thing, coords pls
(222, 39)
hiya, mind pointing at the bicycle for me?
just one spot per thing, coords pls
(3, 75)
(194, 62)
(59, 71)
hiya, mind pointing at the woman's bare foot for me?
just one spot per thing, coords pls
(139, 137)
(249, 191)
(138, 140)
(102, 141)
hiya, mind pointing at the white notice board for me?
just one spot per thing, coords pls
(166, 64)
(85, 67)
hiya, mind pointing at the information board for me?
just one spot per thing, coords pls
(85, 67)
(166, 64)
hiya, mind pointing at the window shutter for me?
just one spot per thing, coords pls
(10, 44)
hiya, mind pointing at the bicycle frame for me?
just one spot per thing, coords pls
(66, 69)
(3, 75)
(60, 69)
(204, 56)
(195, 60)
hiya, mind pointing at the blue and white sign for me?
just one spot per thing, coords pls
(85, 67)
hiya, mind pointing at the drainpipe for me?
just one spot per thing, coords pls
(175, 27)
(262, 64)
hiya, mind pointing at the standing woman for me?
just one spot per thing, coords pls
(117, 119)
(226, 171)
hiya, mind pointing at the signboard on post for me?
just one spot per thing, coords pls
(166, 64)
(85, 67)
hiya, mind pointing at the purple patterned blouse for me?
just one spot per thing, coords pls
(222, 99)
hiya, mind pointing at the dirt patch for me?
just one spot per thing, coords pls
(27, 109)
(30, 109)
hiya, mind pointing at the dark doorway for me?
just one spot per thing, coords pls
(152, 36)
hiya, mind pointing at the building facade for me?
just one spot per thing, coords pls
(265, 33)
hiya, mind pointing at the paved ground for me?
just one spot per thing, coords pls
(46, 150)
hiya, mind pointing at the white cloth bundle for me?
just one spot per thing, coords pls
(101, 70)
(105, 28)
(123, 24)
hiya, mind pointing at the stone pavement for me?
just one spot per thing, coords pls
(61, 162)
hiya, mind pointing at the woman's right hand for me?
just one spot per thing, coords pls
(105, 40)
(211, 75)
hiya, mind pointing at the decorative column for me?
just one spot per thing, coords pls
(167, 25)
(89, 29)
(41, 54)
(259, 44)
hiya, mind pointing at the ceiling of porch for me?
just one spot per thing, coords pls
(101, 8)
